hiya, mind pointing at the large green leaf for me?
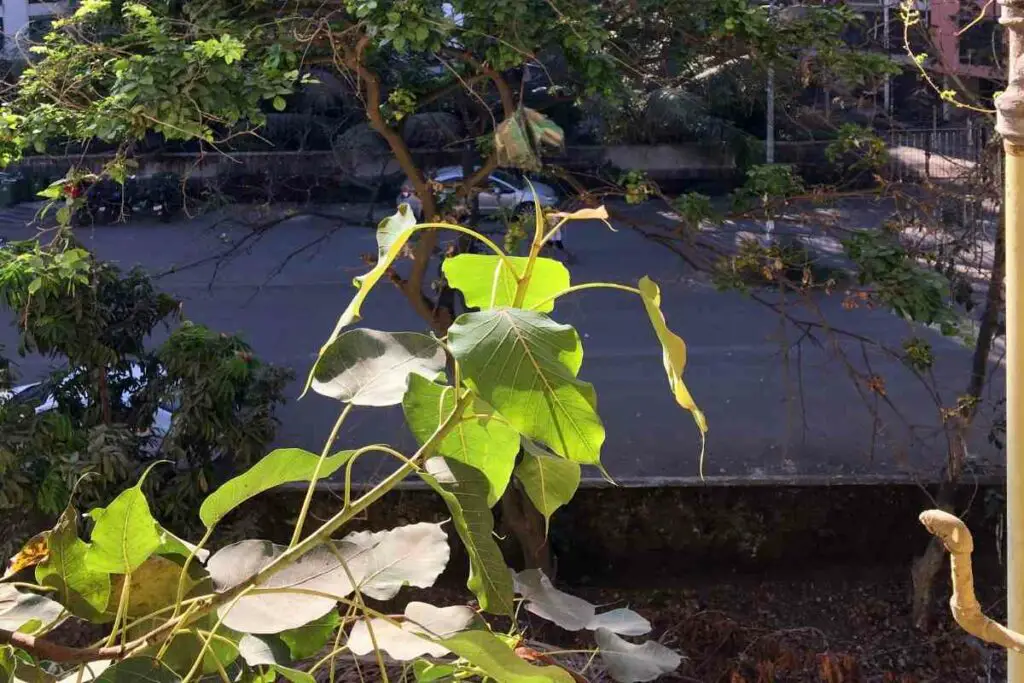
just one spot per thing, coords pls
(138, 670)
(307, 640)
(673, 350)
(392, 234)
(490, 281)
(81, 589)
(125, 534)
(281, 466)
(371, 368)
(524, 364)
(26, 612)
(491, 654)
(550, 481)
(481, 439)
(464, 490)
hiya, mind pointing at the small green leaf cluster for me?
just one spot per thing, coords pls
(857, 148)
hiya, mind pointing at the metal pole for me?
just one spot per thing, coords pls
(887, 92)
(1010, 124)
(769, 134)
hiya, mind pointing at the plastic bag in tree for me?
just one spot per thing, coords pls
(519, 140)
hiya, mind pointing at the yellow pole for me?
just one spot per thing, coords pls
(1010, 124)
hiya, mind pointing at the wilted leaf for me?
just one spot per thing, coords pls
(269, 651)
(81, 589)
(281, 466)
(137, 670)
(405, 642)
(631, 663)
(489, 653)
(673, 350)
(32, 553)
(550, 481)
(371, 368)
(490, 281)
(26, 611)
(392, 234)
(546, 601)
(381, 563)
(465, 493)
(599, 214)
(623, 621)
(534, 385)
(481, 440)
(125, 534)
(307, 640)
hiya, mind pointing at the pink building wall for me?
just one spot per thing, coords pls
(944, 28)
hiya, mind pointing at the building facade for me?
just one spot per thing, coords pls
(23, 21)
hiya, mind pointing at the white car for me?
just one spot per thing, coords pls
(40, 393)
(503, 191)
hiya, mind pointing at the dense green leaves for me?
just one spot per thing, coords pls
(80, 588)
(371, 368)
(480, 439)
(524, 365)
(490, 281)
(281, 466)
(125, 534)
(464, 490)
(496, 659)
(550, 482)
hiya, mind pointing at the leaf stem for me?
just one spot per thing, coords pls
(328, 445)
(586, 285)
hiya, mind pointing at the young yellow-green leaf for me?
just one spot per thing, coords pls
(550, 481)
(495, 658)
(524, 365)
(673, 353)
(482, 440)
(82, 590)
(281, 466)
(372, 368)
(464, 490)
(488, 280)
(125, 534)
(392, 234)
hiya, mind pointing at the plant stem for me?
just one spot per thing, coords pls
(328, 445)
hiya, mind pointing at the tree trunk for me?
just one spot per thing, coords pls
(527, 526)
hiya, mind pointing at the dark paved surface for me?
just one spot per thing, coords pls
(772, 420)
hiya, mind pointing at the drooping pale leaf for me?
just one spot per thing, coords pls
(372, 368)
(32, 553)
(490, 281)
(125, 534)
(464, 491)
(622, 621)
(270, 651)
(26, 612)
(406, 641)
(547, 602)
(489, 653)
(673, 353)
(524, 365)
(81, 589)
(392, 234)
(481, 440)
(281, 466)
(631, 663)
(550, 481)
(307, 640)
(380, 563)
(137, 670)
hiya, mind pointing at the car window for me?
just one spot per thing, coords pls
(504, 177)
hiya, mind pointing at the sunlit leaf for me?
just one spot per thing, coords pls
(379, 562)
(673, 353)
(550, 482)
(404, 642)
(32, 553)
(154, 584)
(524, 365)
(464, 490)
(622, 620)
(22, 611)
(546, 601)
(490, 281)
(489, 653)
(137, 670)
(125, 534)
(281, 466)
(631, 663)
(392, 234)
(372, 368)
(81, 589)
(481, 439)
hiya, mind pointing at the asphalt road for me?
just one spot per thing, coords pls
(774, 417)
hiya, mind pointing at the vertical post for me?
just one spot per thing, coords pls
(886, 43)
(928, 153)
(769, 133)
(1010, 124)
